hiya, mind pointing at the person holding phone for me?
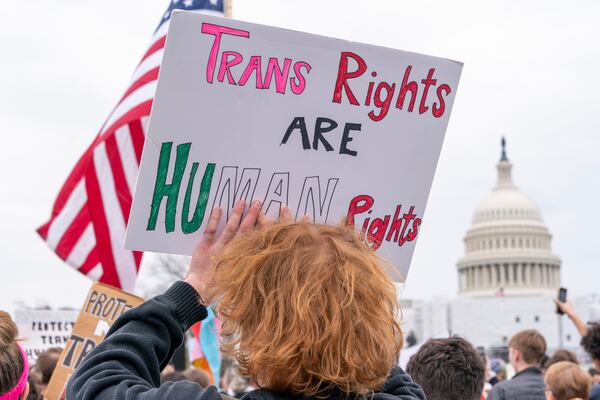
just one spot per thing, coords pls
(590, 338)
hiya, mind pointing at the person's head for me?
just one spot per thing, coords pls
(35, 386)
(594, 375)
(526, 349)
(448, 369)
(561, 355)
(567, 381)
(310, 309)
(45, 365)
(198, 376)
(591, 343)
(14, 367)
(502, 375)
(498, 366)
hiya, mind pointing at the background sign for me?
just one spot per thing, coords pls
(103, 305)
(43, 329)
(328, 127)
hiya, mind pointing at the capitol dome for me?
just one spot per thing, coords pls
(508, 246)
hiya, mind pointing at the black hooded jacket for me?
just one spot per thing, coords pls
(127, 364)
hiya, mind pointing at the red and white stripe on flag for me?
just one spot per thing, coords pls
(90, 214)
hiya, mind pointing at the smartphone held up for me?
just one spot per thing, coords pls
(562, 297)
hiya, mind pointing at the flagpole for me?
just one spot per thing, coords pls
(227, 7)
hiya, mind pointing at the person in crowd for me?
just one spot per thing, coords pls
(227, 363)
(590, 339)
(35, 385)
(197, 375)
(45, 365)
(526, 350)
(502, 375)
(545, 361)
(594, 375)
(14, 367)
(491, 375)
(448, 369)
(310, 310)
(498, 368)
(560, 355)
(233, 384)
(567, 381)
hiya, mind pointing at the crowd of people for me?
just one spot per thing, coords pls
(452, 369)
(40, 372)
(309, 312)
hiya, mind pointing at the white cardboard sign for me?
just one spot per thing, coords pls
(43, 329)
(328, 127)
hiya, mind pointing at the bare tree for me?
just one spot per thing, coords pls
(158, 272)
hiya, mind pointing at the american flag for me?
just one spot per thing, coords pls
(89, 217)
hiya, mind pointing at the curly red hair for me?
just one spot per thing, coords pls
(309, 310)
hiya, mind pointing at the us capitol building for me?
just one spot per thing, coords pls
(507, 278)
(508, 246)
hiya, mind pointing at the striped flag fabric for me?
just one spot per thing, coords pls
(89, 217)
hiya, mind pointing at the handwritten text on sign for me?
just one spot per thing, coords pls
(103, 305)
(329, 128)
(43, 329)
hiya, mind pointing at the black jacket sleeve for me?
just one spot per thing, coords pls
(400, 386)
(127, 364)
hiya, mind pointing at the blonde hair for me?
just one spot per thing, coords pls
(568, 381)
(309, 309)
(11, 361)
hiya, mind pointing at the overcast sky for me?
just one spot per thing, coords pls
(530, 73)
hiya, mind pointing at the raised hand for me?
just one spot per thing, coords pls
(201, 270)
(566, 307)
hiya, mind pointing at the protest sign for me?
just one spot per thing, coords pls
(103, 305)
(328, 127)
(43, 329)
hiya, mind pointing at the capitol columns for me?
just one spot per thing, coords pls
(502, 275)
(511, 277)
(519, 271)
